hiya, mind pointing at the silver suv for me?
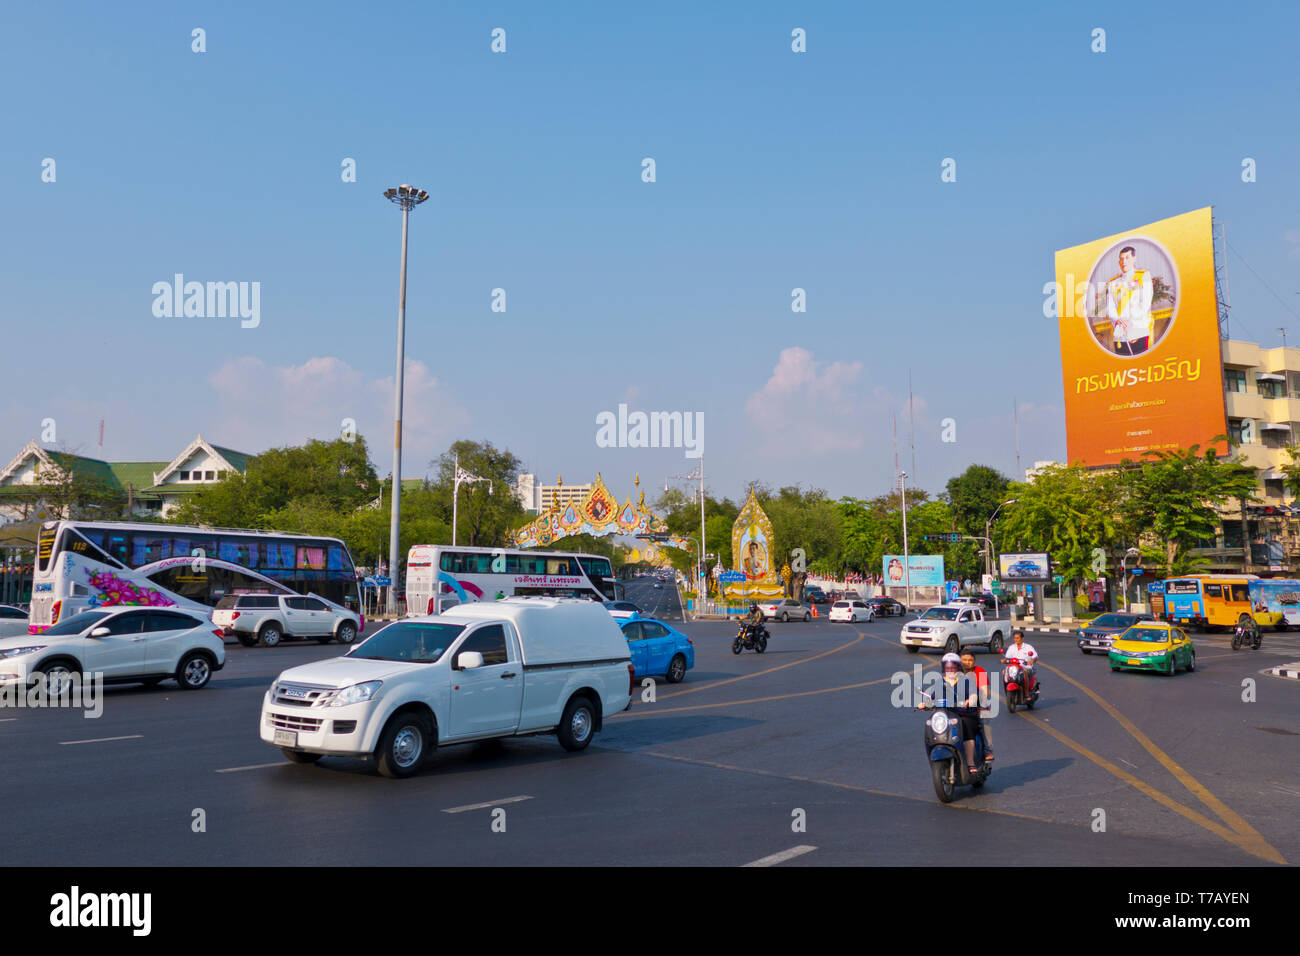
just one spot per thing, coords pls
(270, 618)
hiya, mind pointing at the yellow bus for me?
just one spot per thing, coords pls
(1211, 601)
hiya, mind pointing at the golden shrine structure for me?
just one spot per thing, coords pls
(752, 544)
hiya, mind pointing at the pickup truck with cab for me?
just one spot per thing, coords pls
(516, 667)
(953, 627)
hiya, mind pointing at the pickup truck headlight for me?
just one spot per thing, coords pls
(19, 651)
(355, 694)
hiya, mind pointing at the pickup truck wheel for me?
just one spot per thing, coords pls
(299, 756)
(912, 649)
(347, 632)
(248, 640)
(676, 669)
(270, 635)
(576, 725)
(995, 645)
(953, 645)
(401, 746)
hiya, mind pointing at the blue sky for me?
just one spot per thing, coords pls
(775, 170)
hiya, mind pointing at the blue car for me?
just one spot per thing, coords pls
(1024, 569)
(659, 649)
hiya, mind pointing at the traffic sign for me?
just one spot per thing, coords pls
(731, 577)
(995, 586)
(1059, 578)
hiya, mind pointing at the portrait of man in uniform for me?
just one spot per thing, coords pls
(1128, 305)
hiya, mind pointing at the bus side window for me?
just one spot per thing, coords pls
(1213, 590)
(1241, 592)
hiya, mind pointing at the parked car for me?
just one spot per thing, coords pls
(785, 609)
(1152, 645)
(516, 667)
(952, 627)
(886, 606)
(126, 645)
(658, 648)
(622, 610)
(270, 618)
(13, 621)
(851, 612)
(815, 595)
(1098, 633)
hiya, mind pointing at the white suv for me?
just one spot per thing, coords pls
(124, 644)
(270, 618)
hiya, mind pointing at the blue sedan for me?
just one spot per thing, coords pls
(659, 649)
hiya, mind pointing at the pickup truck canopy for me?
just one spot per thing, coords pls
(551, 630)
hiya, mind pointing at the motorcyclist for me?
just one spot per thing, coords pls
(1025, 655)
(753, 621)
(1248, 631)
(967, 707)
(982, 688)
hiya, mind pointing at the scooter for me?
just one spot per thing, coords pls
(1242, 637)
(1014, 685)
(751, 637)
(945, 750)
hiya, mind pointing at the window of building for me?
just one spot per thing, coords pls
(1234, 431)
(1234, 379)
(184, 476)
(1269, 388)
(209, 476)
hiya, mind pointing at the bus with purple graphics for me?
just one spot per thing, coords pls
(88, 564)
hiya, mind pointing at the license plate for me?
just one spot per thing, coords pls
(1132, 661)
(286, 738)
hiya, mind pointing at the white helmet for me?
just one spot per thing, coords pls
(951, 659)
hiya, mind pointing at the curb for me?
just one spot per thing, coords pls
(1046, 629)
(1289, 671)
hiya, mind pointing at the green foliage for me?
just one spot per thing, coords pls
(974, 496)
(487, 511)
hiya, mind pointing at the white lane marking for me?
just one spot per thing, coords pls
(99, 740)
(485, 806)
(781, 857)
(5, 720)
(254, 766)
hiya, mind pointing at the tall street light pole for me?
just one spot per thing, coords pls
(907, 558)
(408, 197)
(462, 477)
(698, 473)
(988, 525)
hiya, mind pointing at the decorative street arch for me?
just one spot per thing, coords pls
(597, 514)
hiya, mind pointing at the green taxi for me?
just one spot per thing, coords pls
(1154, 646)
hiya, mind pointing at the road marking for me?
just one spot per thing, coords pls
(6, 720)
(254, 766)
(489, 804)
(99, 740)
(781, 857)
(1254, 841)
(770, 670)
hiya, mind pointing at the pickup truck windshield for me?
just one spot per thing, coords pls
(410, 642)
(940, 614)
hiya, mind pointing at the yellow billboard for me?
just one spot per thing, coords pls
(1140, 353)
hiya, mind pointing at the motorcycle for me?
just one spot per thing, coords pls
(947, 755)
(1247, 636)
(752, 637)
(1015, 680)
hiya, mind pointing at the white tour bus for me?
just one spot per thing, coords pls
(87, 564)
(442, 576)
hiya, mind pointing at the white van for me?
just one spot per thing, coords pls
(514, 667)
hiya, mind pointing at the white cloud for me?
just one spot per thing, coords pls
(259, 406)
(808, 405)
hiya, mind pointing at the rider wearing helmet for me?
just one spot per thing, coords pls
(754, 617)
(962, 696)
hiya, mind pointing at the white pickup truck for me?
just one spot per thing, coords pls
(952, 627)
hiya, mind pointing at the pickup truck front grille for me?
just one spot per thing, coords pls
(294, 722)
(301, 695)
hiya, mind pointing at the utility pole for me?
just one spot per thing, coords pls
(907, 559)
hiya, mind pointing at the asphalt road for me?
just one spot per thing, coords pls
(717, 770)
